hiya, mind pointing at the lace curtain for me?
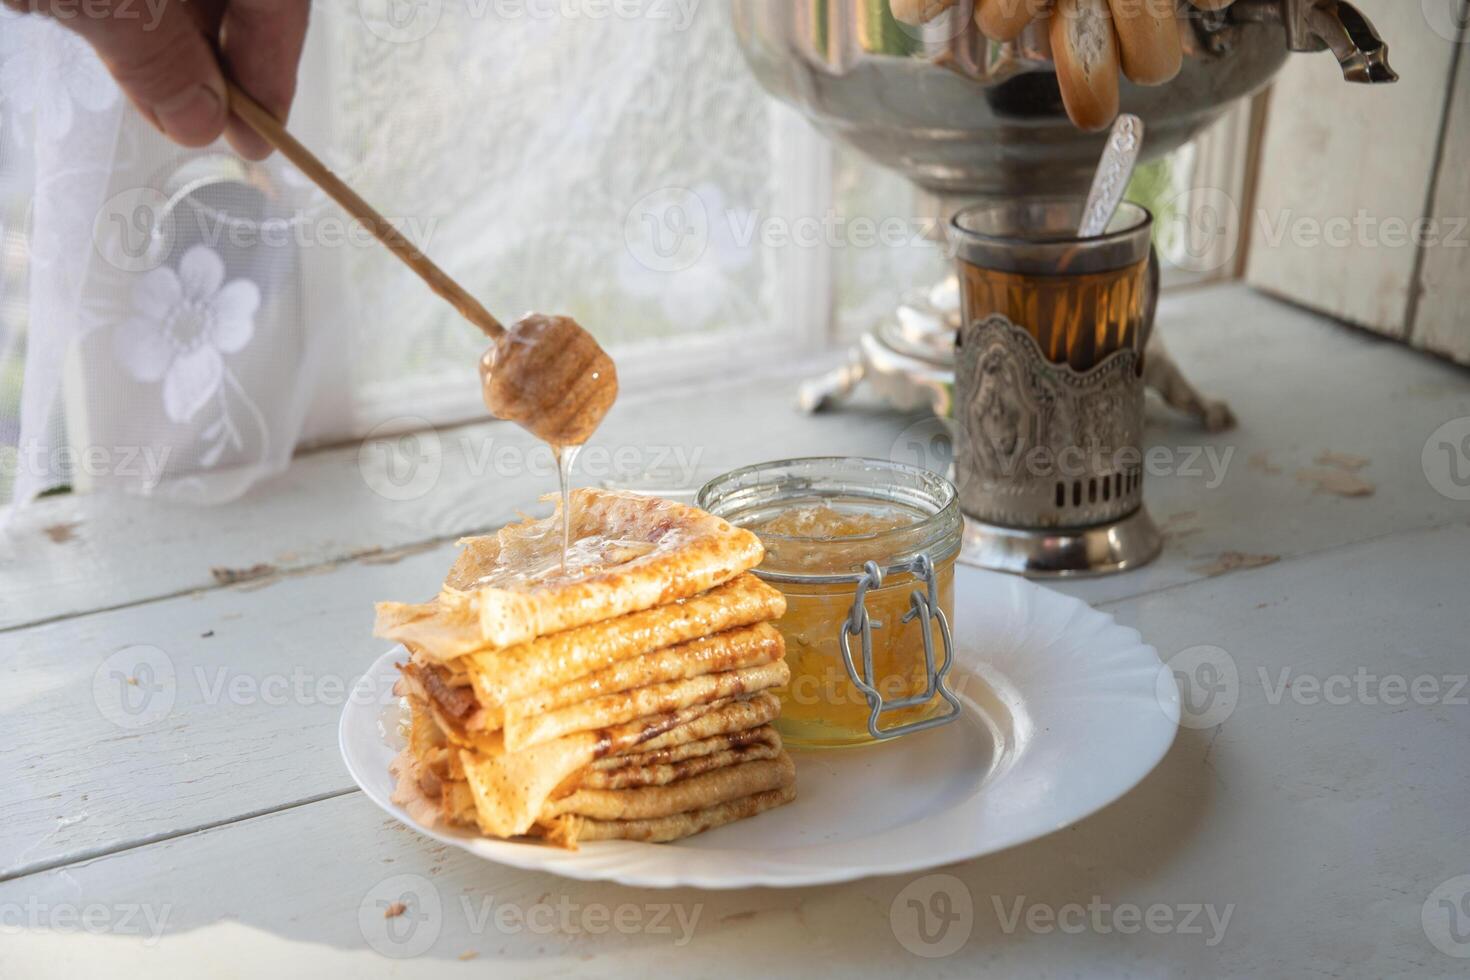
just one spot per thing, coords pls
(175, 323)
(141, 349)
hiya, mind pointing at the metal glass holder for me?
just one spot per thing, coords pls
(1049, 408)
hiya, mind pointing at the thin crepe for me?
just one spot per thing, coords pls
(695, 793)
(689, 552)
(552, 661)
(568, 831)
(675, 753)
(429, 798)
(433, 790)
(524, 733)
(511, 788)
(735, 649)
(732, 649)
(662, 774)
(734, 663)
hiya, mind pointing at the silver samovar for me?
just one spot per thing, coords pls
(966, 118)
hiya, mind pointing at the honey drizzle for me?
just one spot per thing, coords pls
(565, 457)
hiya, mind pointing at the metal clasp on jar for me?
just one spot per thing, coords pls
(924, 607)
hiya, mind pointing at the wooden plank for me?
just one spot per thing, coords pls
(1335, 153)
(1441, 324)
(74, 554)
(310, 897)
(1292, 810)
(158, 718)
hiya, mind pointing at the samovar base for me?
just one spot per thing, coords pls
(1124, 544)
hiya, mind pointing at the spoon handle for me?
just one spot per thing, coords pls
(270, 129)
(1125, 142)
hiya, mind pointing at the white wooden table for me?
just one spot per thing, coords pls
(214, 832)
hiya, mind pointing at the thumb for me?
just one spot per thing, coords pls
(166, 68)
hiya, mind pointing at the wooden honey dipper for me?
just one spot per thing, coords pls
(544, 372)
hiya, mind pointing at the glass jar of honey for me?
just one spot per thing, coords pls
(864, 551)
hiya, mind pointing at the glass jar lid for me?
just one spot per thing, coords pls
(823, 519)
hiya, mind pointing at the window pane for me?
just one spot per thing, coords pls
(607, 167)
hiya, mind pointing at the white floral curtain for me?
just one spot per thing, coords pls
(146, 346)
(176, 323)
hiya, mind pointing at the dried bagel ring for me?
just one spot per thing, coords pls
(1148, 40)
(1004, 20)
(1085, 50)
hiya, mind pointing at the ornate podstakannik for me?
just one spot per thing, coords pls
(1042, 445)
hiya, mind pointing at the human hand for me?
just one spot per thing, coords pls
(170, 58)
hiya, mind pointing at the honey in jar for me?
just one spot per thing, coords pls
(827, 524)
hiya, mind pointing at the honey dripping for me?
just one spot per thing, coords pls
(565, 456)
(529, 376)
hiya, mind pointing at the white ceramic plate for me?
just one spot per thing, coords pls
(1064, 713)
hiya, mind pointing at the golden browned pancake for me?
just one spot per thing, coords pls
(749, 646)
(736, 663)
(437, 782)
(664, 773)
(510, 788)
(567, 831)
(621, 688)
(636, 552)
(739, 715)
(733, 649)
(551, 661)
(433, 788)
(645, 702)
(695, 793)
(757, 733)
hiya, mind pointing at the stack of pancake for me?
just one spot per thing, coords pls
(616, 689)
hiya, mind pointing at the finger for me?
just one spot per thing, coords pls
(166, 67)
(261, 43)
